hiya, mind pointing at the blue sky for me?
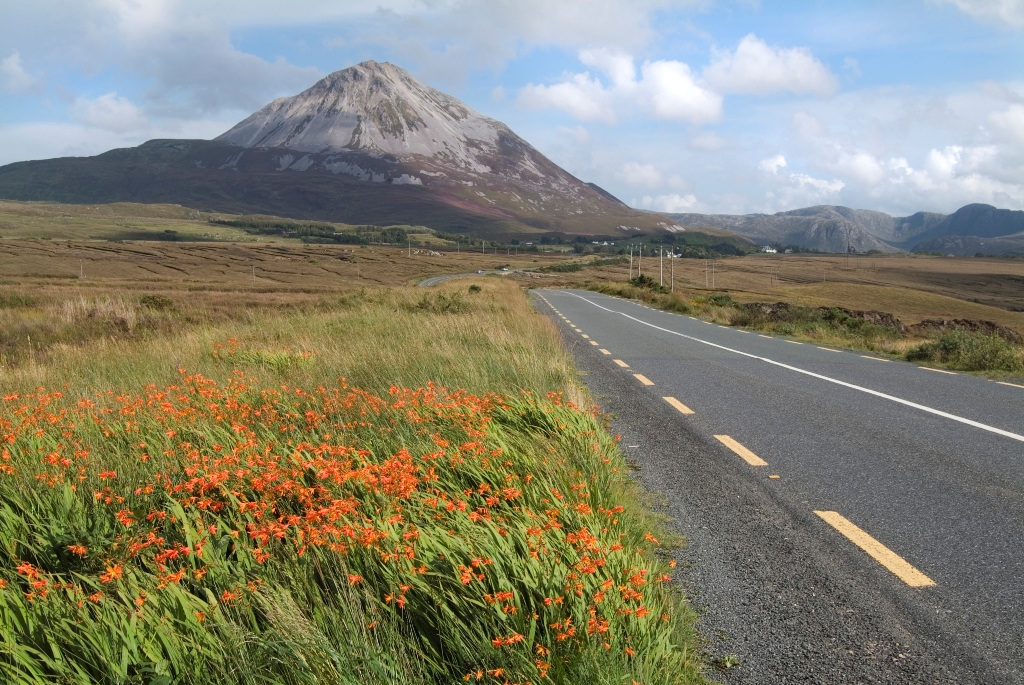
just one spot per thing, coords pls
(702, 106)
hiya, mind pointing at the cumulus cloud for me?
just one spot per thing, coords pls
(759, 69)
(13, 76)
(1008, 12)
(110, 113)
(672, 204)
(772, 164)
(666, 89)
(584, 98)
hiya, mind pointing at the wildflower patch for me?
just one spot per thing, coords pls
(327, 535)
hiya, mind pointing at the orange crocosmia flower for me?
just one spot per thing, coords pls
(353, 579)
(80, 550)
(113, 573)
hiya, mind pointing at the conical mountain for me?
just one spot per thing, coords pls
(367, 144)
(372, 107)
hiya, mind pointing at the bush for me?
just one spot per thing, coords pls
(157, 302)
(474, 288)
(442, 303)
(647, 283)
(970, 352)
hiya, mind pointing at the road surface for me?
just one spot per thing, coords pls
(848, 519)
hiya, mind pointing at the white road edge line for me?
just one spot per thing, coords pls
(915, 405)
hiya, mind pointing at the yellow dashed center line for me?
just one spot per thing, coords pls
(593, 342)
(621, 363)
(774, 476)
(683, 409)
(585, 336)
(1012, 385)
(742, 451)
(643, 379)
(877, 359)
(604, 351)
(876, 550)
(928, 368)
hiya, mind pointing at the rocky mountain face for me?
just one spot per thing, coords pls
(368, 144)
(836, 229)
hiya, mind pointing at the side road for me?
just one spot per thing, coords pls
(793, 605)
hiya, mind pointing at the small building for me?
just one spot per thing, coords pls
(769, 249)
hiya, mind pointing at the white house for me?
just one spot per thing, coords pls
(769, 249)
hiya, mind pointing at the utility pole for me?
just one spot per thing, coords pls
(81, 270)
(661, 266)
(639, 260)
(712, 274)
(410, 247)
(705, 273)
(630, 262)
(672, 270)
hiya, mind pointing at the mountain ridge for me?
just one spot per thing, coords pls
(832, 228)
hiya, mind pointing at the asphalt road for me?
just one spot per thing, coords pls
(912, 572)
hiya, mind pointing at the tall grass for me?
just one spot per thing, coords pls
(258, 519)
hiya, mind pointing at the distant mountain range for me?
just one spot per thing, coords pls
(368, 144)
(971, 229)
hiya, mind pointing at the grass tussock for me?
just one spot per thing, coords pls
(288, 510)
(876, 332)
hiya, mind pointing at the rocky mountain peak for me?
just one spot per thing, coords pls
(374, 107)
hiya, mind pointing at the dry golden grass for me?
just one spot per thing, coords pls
(912, 288)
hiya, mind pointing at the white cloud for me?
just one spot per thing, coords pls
(640, 175)
(672, 204)
(582, 97)
(760, 69)
(772, 164)
(191, 63)
(1010, 12)
(1010, 122)
(674, 94)
(665, 90)
(110, 113)
(13, 76)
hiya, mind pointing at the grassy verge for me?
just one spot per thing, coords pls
(977, 351)
(290, 509)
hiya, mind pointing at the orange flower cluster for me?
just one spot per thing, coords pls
(417, 495)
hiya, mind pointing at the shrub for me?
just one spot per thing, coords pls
(647, 283)
(157, 302)
(474, 288)
(970, 352)
(442, 303)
